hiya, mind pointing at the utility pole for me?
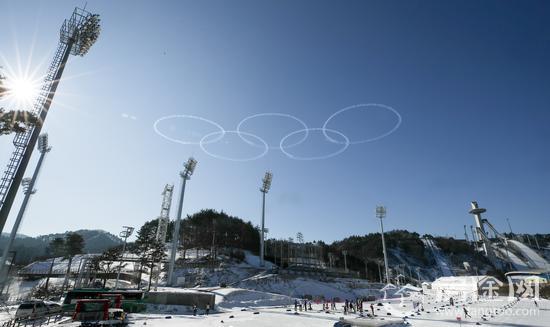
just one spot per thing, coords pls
(189, 168)
(266, 185)
(28, 185)
(126, 232)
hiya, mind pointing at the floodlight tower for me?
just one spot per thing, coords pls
(381, 214)
(126, 232)
(164, 217)
(185, 175)
(266, 185)
(77, 36)
(28, 187)
(345, 253)
(466, 235)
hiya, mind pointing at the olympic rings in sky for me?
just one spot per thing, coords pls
(155, 127)
(275, 114)
(265, 146)
(258, 142)
(324, 130)
(364, 105)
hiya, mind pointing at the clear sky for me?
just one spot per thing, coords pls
(471, 80)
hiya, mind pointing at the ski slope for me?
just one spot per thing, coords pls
(534, 259)
(440, 258)
(516, 261)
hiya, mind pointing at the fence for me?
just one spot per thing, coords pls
(33, 322)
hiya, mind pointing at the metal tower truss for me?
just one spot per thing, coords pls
(77, 35)
(164, 218)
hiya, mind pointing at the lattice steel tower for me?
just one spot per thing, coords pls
(77, 35)
(164, 218)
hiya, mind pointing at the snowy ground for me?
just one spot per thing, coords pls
(231, 313)
(243, 307)
(237, 307)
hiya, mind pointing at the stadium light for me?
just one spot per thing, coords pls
(381, 214)
(126, 232)
(266, 185)
(188, 169)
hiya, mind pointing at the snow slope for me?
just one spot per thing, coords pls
(238, 298)
(440, 258)
(535, 260)
(521, 314)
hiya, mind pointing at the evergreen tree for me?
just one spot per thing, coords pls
(105, 263)
(148, 249)
(56, 248)
(74, 244)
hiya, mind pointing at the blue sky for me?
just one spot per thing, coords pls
(470, 79)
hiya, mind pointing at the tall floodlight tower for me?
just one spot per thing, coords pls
(510, 226)
(381, 214)
(466, 235)
(126, 232)
(266, 185)
(28, 188)
(77, 36)
(185, 175)
(164, 217)
(475, 240)
(345, 253)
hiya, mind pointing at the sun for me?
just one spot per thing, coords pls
(22, 89)
(21, 92)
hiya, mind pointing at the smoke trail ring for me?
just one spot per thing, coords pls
(271, 114)
(218, 126)
(394, 128)
(346, 144)
(202, 143)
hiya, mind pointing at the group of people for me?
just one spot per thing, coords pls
(355, 306)
(206, 311)
(329, 304)
(302, 304)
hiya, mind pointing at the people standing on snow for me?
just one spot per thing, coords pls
(207, 309)
(333, 304)
(295, 305)
(194, 309)
(372, 309)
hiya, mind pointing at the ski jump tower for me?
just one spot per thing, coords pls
(164, 217)
(481, 234)
(501, 251)
(77, 35)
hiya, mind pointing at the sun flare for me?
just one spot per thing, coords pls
(22, 89)
(21, 92)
